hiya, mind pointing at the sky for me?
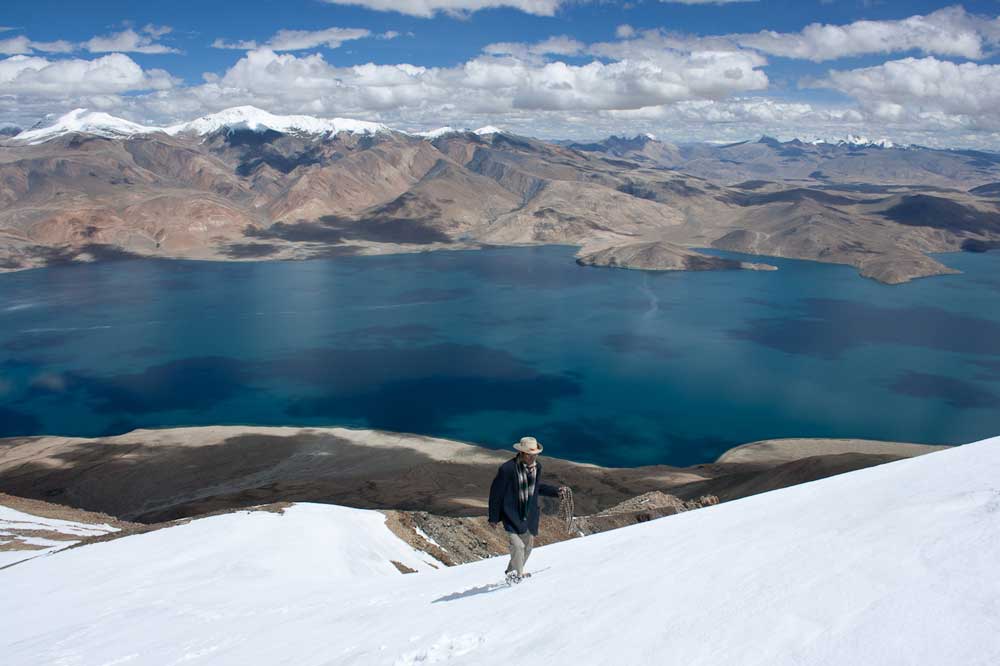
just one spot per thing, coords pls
(684, 70)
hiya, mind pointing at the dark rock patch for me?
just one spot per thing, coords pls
(381, 227)
(988, 190)
(298, 232)
(67, 255)
(976, 245)
(709, 263)
(753, 184)
(249, 250)
(794, 195)
(922, 210)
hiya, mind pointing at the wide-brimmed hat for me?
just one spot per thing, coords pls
(529, 445)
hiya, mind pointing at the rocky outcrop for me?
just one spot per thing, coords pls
(457, 540)
(663, 256)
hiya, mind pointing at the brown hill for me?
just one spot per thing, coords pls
(238, 194)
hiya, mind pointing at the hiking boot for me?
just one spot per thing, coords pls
(512, 578)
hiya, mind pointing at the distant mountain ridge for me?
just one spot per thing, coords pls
(246, 184)
(237, 118)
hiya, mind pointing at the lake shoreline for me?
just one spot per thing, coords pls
(588, 255)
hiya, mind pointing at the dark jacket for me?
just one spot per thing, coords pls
(503, 499)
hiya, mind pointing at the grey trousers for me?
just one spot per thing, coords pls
(520, 549)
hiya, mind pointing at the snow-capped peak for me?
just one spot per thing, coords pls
(854, 140)
(489, 129)
(258, 120)
(439, 132)
(239, 117)
(83, 121)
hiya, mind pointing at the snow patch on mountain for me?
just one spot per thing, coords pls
(889, 565)
(84, 122)
(24, 536)
(854, 140)
(237, 118)
(440, 132)
(258, 120)
(446, 131)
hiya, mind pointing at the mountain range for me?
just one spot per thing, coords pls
(245, 184)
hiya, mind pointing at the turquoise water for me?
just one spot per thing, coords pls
(608, 366)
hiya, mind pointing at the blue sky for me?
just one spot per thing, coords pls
(916, 71)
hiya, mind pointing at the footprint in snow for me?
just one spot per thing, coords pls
(443, 649)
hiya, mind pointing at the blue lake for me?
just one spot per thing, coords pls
(607, 366)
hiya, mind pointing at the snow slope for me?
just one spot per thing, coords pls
(18, 529)
(894, 564)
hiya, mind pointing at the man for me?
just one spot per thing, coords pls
(514, 500)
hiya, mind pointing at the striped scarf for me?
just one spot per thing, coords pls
(525, 486)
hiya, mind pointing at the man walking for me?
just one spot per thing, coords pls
(514, 500)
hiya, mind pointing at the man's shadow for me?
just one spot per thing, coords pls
(481, 589)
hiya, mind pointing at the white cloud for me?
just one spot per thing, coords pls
(498, 84)
(624, 31)
(34, 76)
(241, 45)
(937, 91)
(297, 40)
(427, 8)
(157, 31)
(686, 87)
(950, 31)
(21, 45)
(560, 45)
(15, 45)
(131, 41)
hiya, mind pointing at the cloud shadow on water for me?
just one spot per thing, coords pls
(385, 335)
(430, 294)
(427, 405)
(195, 384)
(829, 327)
(15, 424)
(608, 442)
(418, 388)
(632, 343)
(955, 392)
